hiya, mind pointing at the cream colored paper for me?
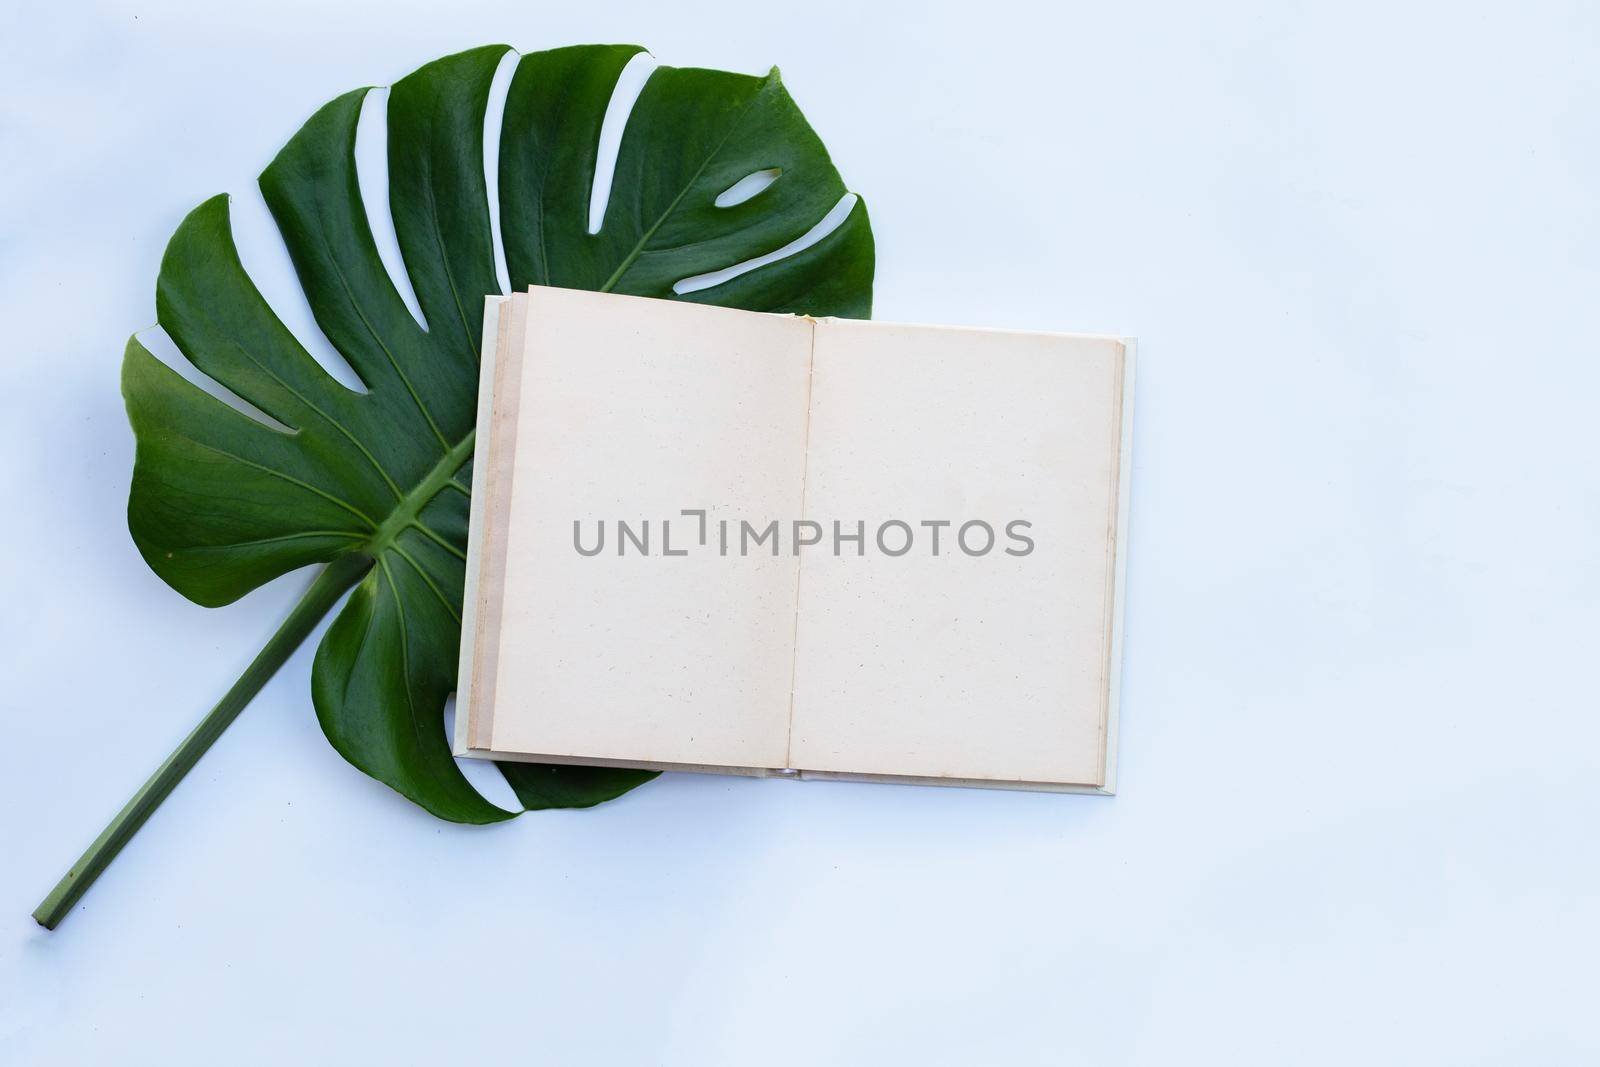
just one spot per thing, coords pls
(631, 410)
(958, 665)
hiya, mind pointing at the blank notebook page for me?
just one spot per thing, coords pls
(991, 667)
(632, 410)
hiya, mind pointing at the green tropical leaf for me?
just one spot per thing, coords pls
(372, 483)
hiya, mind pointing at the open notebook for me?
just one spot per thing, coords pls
(715, 540)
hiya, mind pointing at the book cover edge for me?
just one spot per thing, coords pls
(492, 307)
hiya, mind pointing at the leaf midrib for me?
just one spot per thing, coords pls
(407, 510)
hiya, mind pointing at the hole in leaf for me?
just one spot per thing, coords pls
(828, 223)
(630, 83)
(161, 345)
(372, 178)
(266, 260)
(493, 119)
(483, 774)
(749, 186)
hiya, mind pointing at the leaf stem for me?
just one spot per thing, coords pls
(329, 586)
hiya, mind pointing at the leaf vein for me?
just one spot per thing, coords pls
(405, 655)
(644, 240)
(433, 535)
(335, 423)
(307, 486)
(427, 580)
(405, 380)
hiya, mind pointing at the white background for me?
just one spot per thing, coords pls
(1361, 731)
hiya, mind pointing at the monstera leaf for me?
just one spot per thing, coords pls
(372, 484)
